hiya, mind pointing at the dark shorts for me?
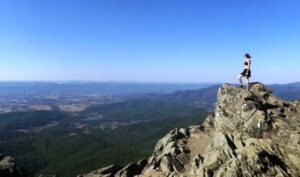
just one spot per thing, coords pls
(244, 73)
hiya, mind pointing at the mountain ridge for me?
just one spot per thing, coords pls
(252, 133)
(208, 95)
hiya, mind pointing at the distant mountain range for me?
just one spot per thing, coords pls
(175, 92)
(209, 94)
(287, 91)
(88, 87)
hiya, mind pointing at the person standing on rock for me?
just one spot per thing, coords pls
(247, 71)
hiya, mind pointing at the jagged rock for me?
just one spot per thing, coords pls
(252, 133)
(108, 171)
(131, 169)
(118, 171)
(8, 167)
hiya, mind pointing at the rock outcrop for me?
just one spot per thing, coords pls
(8, 168)
(252, 133)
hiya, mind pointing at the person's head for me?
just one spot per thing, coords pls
(247, 55)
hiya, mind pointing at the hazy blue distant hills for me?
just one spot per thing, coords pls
(84, 87)
(209, 94)
(293, 95)
(177, 92)
(280, 88)
(287, 91)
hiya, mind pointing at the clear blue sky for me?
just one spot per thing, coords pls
(149, 40)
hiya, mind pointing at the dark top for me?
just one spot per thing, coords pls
(246, 63)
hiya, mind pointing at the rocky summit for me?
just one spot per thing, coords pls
(251, 133)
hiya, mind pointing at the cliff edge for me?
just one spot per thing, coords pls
(252, 133)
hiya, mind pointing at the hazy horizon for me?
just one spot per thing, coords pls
(131, 82)
(149, 41)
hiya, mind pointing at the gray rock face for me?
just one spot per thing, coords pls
(8, 168)
(252, 133)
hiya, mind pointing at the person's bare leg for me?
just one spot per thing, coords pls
(248, 83)
(240, 79)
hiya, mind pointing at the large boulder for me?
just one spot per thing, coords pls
(8, 168)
